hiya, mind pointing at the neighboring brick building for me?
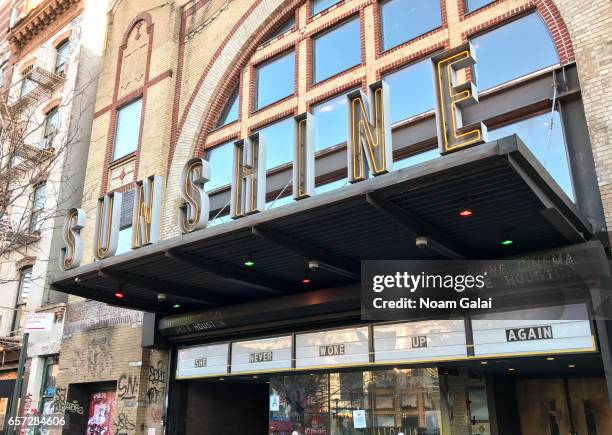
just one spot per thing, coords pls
(189, 79)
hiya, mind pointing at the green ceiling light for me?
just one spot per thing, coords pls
(507, 242)
(176, 306)
(249, 262)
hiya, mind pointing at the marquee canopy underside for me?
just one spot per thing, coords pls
(510, 193)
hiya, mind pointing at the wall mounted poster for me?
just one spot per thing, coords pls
(101, 413)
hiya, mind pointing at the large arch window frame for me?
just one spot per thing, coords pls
(380, 62)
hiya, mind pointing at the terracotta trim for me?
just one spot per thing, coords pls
(60, 39)
(51, 105)
(117, 102)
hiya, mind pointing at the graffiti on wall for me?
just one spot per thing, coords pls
(157, 382)
(95, 358)
(61, 403)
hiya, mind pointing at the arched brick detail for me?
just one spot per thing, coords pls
(558, 30)
(51, 105)
(140, 92)
(220, 96)
(60, 39)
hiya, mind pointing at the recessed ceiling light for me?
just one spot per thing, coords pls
(510, 369)
(550, 358)
(572, 366)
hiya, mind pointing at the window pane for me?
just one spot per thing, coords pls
(534, 133)
(411, 90)
(39, 196)
(320, 5)
(220, 159)
(124, 243)
(279, 143)
(61, 56)
(128, 127)
(479, 409)
(230, 113)
(330, 123)
(514, 50)
(275, 80)
(405, 20)
(285, 27)
(415, 159)
(472, 5)
(25, 284)
(329, 59)
(51, 122)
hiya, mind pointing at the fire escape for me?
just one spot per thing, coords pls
(23, 157)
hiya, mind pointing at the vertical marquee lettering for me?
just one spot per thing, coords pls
(106, 231)
(71, 253)
(369, 132)
(452, 97)
(145, 221)
(248, 176)
(303, 157)
(193, 213)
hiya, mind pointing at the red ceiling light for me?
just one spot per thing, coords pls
(306, 279)
(466, 212)
(119, 294)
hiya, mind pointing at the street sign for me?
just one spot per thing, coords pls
(39, 322)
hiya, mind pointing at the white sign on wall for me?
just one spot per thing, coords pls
(427, 340)
(39, 322)
(524, 331)
(264, 354)
(201, 361)
(330, 348)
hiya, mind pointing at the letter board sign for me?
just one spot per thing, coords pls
(330, 348)
(201, 361)
(428, 340)
(263, 354)
(535, 330)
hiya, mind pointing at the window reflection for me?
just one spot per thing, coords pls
(124, 243)
(275, 80)
(128, 129)
(393, 401)
(318, 6)
(411, 90)
(328, 59)
(513, 50)
(333, 185)
(330, 123)
(220, 159)
(279, 143)
(230, 112)
(415, 159)
(405, 20)
(472, 5)
(534, 133)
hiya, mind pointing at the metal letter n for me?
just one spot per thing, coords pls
(145, 220)
(369, 133)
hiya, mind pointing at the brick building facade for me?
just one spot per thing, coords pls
(173, 68)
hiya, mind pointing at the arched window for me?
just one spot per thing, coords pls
(342, 47)
(61, 56)
(513, 50)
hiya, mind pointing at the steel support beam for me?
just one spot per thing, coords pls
(327, 260)
(156, 286)
(249, 279)
(436, 240)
